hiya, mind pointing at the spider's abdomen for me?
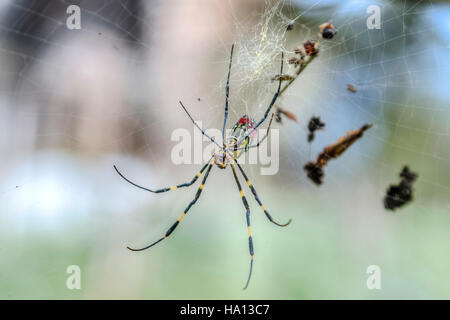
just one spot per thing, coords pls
(240, 149)
(240, 130)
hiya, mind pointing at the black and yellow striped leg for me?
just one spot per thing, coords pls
(197, 126)
(274, 99)
(172, 228)
(259, 201)
(187, 184)
(263, 138)
(227, 94)
(247, 215)
(275, 96)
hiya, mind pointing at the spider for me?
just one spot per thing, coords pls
(234, 145)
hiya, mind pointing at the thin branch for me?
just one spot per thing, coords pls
(299, 71)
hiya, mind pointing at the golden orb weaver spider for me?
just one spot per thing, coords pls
(233, 147)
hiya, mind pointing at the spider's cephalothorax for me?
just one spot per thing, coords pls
(222, 158)
(233, 146)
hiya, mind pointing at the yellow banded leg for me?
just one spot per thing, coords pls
(247, 216)
(259, 201)
(172, 228)
(187, 184)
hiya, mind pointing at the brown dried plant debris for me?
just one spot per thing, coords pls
(290, 26)
(296, 61)
(351, 88)
(399, 195)
(315, 169)
(311, 47)
(327, 30)
(283, 77)
(299, 51)
(280, 111)
(314, 124)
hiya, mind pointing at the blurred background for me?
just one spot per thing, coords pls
(75, 102)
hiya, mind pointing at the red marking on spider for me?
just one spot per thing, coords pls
(250, 124)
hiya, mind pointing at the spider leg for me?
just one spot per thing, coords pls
(259, 201)
(227, 94)
(186, 184)
(270, 105)
(197, 126)
(173, 227)
(262, 139)
(247, 214)
(275, 96)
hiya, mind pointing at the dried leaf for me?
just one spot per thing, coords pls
(314, 124)
(311, 47)
(351, 88)
(280, 111)
(283, 77)
(398, 195)
(314, 169)
(296, 61)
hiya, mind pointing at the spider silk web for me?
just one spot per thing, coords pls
(398, 60)
(75, 102)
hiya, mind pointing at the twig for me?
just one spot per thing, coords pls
(299, 71)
